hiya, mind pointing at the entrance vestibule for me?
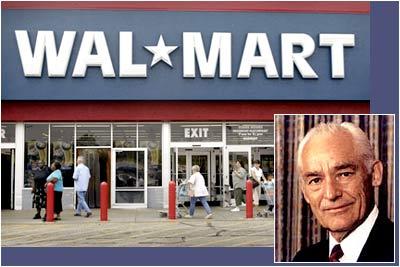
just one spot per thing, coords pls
(216, 166)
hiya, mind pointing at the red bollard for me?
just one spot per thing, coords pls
(249, 199)
(172, 200)
(50, 203)
(103, 201)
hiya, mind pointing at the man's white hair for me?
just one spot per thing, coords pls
(360, 140)
(80, 159)
(195, 168)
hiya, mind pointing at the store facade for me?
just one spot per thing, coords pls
(137, 160)
(145, 94)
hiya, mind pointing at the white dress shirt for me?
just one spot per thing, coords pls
(353, 244)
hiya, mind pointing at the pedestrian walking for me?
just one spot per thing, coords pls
(38, 188)
(239, 175)
(257, 175)
(198, 191)
(56, 178)
(81, 176)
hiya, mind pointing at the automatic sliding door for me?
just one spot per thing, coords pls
(203, 162)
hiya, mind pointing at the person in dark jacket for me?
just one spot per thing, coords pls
(39, 174)
(338, 175)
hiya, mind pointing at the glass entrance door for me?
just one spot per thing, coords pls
(7, 178)
(203, 161)
(233, 154)
(129, 181)
(209, 161)
(98, 162)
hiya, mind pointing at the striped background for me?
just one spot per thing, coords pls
(295, 225)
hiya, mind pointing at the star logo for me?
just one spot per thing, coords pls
(161, 52)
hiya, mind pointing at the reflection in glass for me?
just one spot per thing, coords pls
(181, 167)
(62, 150)
(179, 172)
(7, 133)
(36, 144)
(129, 197)
(124, 135)
(130, 176)
(93, 135)
(129, 169)
(150, 138)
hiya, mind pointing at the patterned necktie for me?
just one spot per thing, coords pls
(336, 253)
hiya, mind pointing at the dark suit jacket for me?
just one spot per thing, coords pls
(378, 248)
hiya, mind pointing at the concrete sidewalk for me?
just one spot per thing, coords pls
(140, 228)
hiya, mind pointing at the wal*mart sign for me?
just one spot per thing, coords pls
(193, 48)
(184, 56)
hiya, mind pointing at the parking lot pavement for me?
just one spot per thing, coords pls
(137, 228)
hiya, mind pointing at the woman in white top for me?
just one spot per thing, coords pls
(198, 191)
(257, 174)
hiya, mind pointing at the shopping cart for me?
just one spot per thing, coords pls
(269, 190)
(182, 196)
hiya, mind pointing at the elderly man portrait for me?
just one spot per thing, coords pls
(337, 175)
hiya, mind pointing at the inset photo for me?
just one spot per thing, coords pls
(334, 188)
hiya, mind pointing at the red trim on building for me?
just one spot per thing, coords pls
(303, 6)
(91, 111)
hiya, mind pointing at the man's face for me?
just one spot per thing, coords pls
(335, 182)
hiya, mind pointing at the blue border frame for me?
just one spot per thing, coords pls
(384, 99)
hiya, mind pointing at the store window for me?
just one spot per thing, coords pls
(36, 150)
(250, 134)
(62, 150)
(178, 168)
(8, 133)
(150, 138)
(93, 135)
(124, 135)
(189, 132)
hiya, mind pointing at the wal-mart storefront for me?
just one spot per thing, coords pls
(146, 92)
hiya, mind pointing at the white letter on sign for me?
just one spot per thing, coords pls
(187, 132)
(220, 46)
(205, 131)
(337, 42)
(289, 59)
(57, 63)
(265, 60)
(86, 59)
(126, 68)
